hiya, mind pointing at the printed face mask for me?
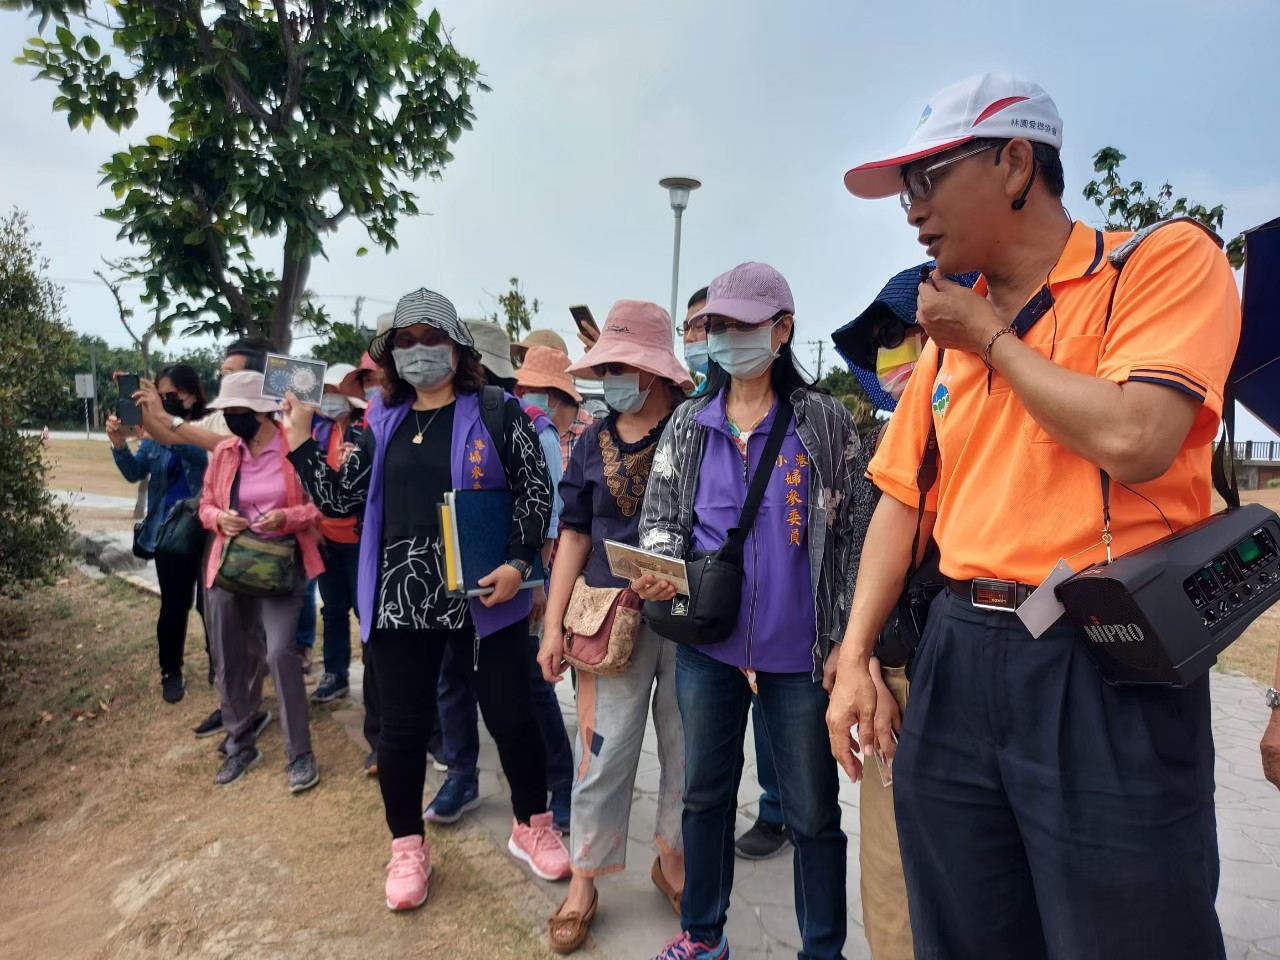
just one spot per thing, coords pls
(244, 425)
(424, 366)
(334, 405)
(744, 354)
(894, 366)
(695, 356)
(622, 392)
(542, 401)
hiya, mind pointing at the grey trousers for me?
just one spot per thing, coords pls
(245, 631)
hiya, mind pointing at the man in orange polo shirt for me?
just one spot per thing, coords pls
(1041, 813)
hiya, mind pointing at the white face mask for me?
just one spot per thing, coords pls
(743, 354)
(334, 406)
(424, 366)
(695, 356)
(622, 392)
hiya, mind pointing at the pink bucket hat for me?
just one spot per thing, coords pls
(639, 333)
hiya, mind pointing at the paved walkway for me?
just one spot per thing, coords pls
(634, 920)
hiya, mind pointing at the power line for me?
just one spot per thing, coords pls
(136, 283)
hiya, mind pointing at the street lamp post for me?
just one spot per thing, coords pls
(679, 189)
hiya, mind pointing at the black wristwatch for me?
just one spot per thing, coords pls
(525, 568)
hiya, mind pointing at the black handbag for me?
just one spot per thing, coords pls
(181, 532)
(138, 550)
(900, 636)
(710, 612)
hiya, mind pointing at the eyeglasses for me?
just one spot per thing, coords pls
(610, 369)
(722, 324)
(430, 336)
(918, 183)
(173, 397)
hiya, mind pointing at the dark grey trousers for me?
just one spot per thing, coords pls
(245, 631)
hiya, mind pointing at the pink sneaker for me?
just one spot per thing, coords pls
(407, 873)
(540, 847)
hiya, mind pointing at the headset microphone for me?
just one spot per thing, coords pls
(1022, 197)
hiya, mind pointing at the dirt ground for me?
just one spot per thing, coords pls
(114, 843)
(86, 465)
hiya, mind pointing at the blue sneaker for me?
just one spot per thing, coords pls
(684, 947)
(452, 800)
(560, 806)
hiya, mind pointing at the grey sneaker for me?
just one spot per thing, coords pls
(303, 773)
(263, 721)
(236, 766)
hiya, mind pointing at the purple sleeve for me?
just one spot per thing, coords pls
(576, 511)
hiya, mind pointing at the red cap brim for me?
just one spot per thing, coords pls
(883, 178)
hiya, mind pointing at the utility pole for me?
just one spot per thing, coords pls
(357, 310)
(820, 344)
(93, 369)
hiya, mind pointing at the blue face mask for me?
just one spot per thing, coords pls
(622, 392)
(695, 356)
(424, 366)
(542, 401)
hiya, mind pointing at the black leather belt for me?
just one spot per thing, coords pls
(1005, 596)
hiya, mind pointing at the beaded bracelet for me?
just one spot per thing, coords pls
(986, 354)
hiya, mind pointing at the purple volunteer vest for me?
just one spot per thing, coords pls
(775, 632)
(475, 463)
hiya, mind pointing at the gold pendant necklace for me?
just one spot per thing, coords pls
(418, 423)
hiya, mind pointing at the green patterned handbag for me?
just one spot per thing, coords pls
(257, 567)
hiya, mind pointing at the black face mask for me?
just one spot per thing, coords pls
(244, 425)
(175, 408)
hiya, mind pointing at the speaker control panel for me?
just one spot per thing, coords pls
(1235, 578)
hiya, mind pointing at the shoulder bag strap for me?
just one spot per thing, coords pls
(493, 412)
(760, 479)
(1224, 458)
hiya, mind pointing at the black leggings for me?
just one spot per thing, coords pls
(408, 669)
(177, 575)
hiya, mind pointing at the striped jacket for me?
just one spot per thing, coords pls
(831, 440)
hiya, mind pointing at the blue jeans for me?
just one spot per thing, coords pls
(714, 699)
(456, 701)
(338, 590)
(306, 636)
(770, 802)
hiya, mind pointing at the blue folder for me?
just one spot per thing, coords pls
(479, 526)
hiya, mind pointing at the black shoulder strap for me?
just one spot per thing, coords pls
(926, 477)
(493, 413)
(1224, 460)
(760, 479)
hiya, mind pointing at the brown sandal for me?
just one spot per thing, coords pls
(568, 933)
(668, 891)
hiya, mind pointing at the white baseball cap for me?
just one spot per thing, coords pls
(990, 105)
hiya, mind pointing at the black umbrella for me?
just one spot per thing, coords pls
(1255, 375)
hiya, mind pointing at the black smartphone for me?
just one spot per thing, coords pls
(127, 409)
(586, 323)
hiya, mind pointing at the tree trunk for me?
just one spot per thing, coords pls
(293, 281)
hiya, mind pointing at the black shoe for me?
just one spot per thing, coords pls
(263, 721)
(236, 766)
(762, 841)
(210, 725)
(303, 773)
(172, 687)
(331, 688)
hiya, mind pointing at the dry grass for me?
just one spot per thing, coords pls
(116, 844)
(86, 465)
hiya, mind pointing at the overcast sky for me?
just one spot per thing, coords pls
(767, 104)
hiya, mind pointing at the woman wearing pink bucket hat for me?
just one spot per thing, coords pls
(602, 490)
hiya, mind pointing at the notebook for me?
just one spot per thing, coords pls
(475, 526)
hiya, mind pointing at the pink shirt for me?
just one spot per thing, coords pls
(262, 483)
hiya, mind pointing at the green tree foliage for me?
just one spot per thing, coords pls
(844, 386)
(346, 344)
(1128, 206)
(286, 119)
(35, 530)
(516, 311)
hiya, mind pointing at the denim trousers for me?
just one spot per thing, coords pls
(714, 699)
(338, 591)
(770, 803)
